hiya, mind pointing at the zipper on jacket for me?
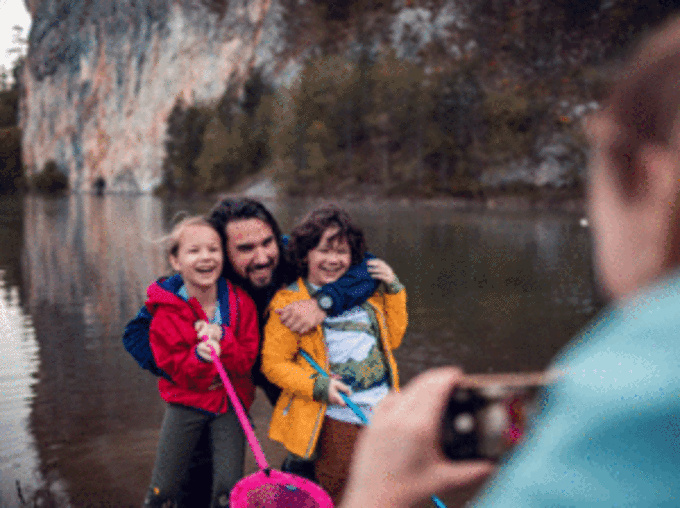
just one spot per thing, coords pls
(322, 410)
(319, 421)
(386, 349)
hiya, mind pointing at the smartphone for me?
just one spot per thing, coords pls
(488, 414)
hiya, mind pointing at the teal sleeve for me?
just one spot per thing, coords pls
(607, 432)
(395, 286)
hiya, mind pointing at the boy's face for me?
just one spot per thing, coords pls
(199, 257)
(330, 259)
(252, 250)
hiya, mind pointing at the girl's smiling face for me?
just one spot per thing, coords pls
(199, 257)
(330, 259)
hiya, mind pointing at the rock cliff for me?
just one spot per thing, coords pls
(102, 76)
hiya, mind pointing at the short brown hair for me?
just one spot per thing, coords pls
(645, 101)
(307, 235)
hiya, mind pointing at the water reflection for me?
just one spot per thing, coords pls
(491, 292)
(20, 476)
(86, 263)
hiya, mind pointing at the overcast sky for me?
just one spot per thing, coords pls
(12, 12)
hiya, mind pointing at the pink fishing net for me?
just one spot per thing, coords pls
(278, 490)
(267, 488)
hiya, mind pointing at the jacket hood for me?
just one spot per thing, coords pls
(165, 291)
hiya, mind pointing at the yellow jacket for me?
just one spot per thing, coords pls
(297, 417)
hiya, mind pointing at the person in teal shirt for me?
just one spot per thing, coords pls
(607, 433)
(609, 429)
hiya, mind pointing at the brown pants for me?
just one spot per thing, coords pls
(336, 444)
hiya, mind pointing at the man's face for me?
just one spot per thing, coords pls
(252, 250)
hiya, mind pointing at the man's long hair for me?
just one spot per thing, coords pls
(645, 99)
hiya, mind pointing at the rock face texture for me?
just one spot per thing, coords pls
(102, 76)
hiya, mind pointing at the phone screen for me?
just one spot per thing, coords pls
(489, 414)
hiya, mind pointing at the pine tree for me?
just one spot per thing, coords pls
(184, 135)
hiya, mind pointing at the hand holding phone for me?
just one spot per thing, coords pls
(487, 415)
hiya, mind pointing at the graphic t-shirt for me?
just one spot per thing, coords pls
(354, 354)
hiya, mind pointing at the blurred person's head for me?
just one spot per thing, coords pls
(634, 168)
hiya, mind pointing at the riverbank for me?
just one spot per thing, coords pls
(500, 202)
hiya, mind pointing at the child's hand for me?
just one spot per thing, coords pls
(334, 388)
(203, 349)
(213, 331)
(380, 270)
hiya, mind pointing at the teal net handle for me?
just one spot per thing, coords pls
(357, 410)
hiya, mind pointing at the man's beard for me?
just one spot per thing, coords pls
(262, 282)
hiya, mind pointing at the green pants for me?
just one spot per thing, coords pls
(181, 429)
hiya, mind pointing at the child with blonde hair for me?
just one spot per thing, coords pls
(310, 418)
(194, 304)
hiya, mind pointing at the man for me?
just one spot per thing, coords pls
(255, 260)
(608, 431)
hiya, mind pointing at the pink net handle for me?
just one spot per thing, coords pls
(240, 412)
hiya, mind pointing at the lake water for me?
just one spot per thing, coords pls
(490, 291)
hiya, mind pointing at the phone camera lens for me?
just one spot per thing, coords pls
(464, 423)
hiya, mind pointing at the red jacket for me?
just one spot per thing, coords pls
(195, 382)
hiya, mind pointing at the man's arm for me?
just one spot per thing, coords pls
(136, 342)
(353, 288)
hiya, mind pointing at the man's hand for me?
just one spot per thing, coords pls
(398, 459)
(301, 317)
(213, 331)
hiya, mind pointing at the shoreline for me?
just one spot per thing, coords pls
(495, 203)
(500, 203)
(264, 187)
(544, 199)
